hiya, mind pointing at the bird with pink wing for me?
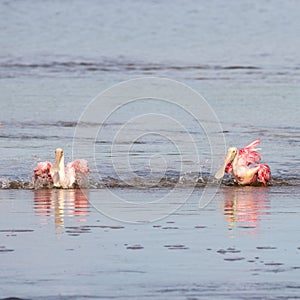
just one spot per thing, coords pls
(245, 165)
(58, 175)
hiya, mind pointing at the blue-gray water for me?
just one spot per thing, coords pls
(242, 57)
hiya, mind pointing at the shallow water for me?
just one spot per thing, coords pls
(54, 242)
(243, 58)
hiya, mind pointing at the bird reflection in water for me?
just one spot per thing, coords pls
(61, 204)
(243, 207)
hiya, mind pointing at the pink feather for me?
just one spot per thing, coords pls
(249, 155)
(249, 158)
(42, 176)
(264, 174)
(75, 172)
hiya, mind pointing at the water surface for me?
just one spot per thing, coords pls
(243, 58)
(54, 242)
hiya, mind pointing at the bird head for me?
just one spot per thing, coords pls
(59, 155)
(231, 154)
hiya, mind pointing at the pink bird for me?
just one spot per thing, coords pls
(245, 165)
(61, 176)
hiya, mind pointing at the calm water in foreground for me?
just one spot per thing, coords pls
(242, 246)
(243, 58)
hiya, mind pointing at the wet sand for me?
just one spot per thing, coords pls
(243, 245)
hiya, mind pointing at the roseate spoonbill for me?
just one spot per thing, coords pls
(59, 175)
(238, 162)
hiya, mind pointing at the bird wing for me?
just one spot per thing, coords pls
(249, 154)
(42, 170)
(42, 175)
(264, 173)
(228, 168)
(77, 172)
(80, 166)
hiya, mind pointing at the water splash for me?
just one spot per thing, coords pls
(166, 182)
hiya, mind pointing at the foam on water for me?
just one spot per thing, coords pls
(187, 181)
